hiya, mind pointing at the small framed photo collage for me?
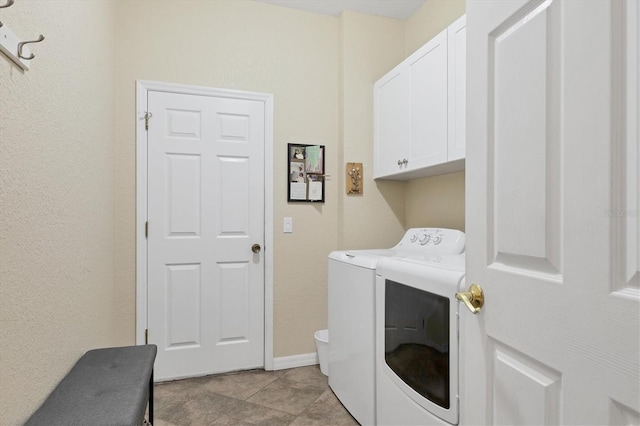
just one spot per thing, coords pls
(306, 173)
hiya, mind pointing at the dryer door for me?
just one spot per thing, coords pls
(416, 343)
(416, 339)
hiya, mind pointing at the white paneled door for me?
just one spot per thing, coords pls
(205, 233)
(552, 213)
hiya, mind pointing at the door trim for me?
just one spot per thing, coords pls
(142, 89)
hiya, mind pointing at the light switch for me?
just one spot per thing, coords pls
(288, 224)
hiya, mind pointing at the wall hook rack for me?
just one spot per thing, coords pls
(14, 48)
(21, 45)
(7, 4)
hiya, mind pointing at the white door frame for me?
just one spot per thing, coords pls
(142, 88)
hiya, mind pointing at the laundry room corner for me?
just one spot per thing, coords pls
(370, 45)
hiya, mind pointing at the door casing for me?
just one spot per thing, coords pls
(142, 88)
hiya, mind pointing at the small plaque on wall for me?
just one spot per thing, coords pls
(354, 178)
(305, 180)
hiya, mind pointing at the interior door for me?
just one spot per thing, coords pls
(552, 213)
(205, 213)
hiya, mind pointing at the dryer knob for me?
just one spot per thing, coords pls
(414, 238)
(424, 239)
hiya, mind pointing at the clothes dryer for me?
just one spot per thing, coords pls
(417, 344)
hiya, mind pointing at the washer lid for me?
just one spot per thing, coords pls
(374, 252)
(355, 258)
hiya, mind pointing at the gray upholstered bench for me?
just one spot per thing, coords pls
(106, 387)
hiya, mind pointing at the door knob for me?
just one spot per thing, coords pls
(255, 248)
(473, 299)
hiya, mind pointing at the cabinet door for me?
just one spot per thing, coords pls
(428, 74)
(457, 86)
(392, 121)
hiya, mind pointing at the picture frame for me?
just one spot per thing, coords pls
(305, 177)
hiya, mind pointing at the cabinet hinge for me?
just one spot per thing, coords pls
(146, 336)
(146, 229)
(147, 116)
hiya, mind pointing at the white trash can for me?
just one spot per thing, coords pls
(322, 345)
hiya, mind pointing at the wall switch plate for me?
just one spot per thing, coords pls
(288, 224)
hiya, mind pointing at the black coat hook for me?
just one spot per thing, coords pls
(22, 43)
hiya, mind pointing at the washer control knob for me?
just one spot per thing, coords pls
(414, 238)
(436, 239)
(424, 239)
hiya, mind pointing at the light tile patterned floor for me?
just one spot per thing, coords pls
(298, 396)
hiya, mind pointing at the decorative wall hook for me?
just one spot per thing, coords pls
(9, 3)
(22, 43)
(10, 44)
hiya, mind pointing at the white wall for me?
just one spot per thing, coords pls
(57, 271)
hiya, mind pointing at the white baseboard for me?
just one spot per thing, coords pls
(295, 361)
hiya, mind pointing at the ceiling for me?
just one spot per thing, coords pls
(398, 9)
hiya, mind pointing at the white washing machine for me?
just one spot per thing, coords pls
(352, 318)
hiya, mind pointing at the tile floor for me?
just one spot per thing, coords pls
(298, 396)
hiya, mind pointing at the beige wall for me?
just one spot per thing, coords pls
(67, 156)
(436, 201)
(371, 46)
(56, 198)
(433, 17)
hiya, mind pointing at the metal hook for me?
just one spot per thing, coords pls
(22, 43)
(9, 3)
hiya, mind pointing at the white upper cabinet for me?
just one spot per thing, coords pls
(392, 119)
(457, 88)
(428, 101)
(419, 110)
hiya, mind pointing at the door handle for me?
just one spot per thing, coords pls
(473, 299)
(255, 248)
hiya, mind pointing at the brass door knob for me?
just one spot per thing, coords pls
(473, 299)
(255, 248)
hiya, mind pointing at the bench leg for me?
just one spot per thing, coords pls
(151, 398)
